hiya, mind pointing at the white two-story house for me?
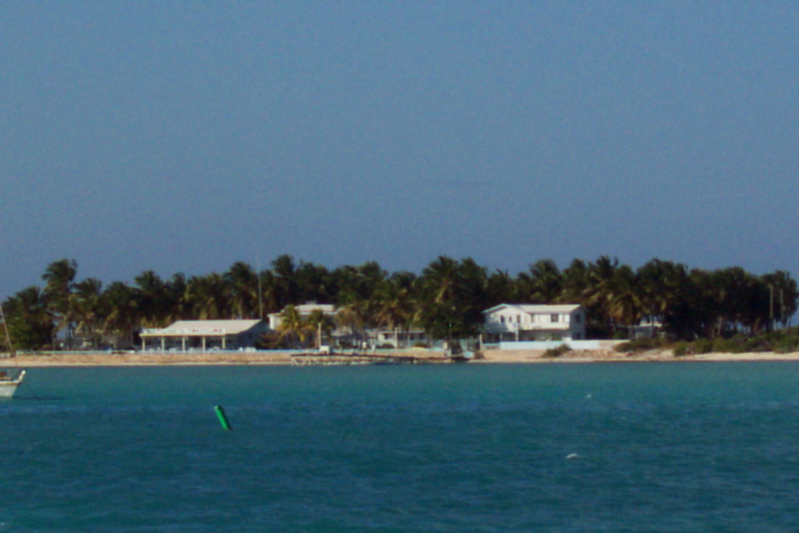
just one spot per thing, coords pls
(526, 322)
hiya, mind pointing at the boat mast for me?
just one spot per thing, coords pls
(10, 346)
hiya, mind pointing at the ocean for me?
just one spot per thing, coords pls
(544, 447)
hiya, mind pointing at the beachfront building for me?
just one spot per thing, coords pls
(526, 322)
(348, 336)
(304, 310)
(204, 335)
(400, 338)
(648, 328)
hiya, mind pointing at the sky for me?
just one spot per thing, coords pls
(185, 136)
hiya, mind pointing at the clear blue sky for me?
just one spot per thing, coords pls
(184, 136)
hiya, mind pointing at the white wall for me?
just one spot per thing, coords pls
(546, 345)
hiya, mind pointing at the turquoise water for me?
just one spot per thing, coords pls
(601, 447)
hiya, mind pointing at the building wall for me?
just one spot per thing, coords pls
(304, 310)
(406, 338)
(213, 341)
(546, 345)
(508, 323)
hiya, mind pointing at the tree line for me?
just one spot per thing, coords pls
(446, 300)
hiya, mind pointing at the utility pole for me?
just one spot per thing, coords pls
(771, 307)
(782, 306)
(260, 288)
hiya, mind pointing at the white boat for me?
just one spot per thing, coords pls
(9, 384)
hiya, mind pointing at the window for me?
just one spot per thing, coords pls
(554, 318)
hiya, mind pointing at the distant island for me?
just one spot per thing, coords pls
(703, 309)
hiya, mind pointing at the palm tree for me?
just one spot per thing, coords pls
(29, 321)
(624, 303)
(121, 316)
(320, 323)
(353, 317)
(177, 307)
(502, 288)
(452, 297)
(393, 303)
(544, 282)
(357, 283)
(206, 297)
(609, 294)
(599, 287)
(782, 296)
(284, 271)
(152, 299)
(88, 309)
(371, 277)
(292, 326)
(660, 283)
(59, 278)
(440, 279)
(313, 283)
(706, 317)
(732, 289)
(575, 282)
(242, 290)
(268, 297)
(345, 281)
(473, 295)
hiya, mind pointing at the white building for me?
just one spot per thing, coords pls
(304, 310)
(648, 328)
(204, 335)
(399, 338)
(525, 322)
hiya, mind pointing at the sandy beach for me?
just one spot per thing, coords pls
(284, 358)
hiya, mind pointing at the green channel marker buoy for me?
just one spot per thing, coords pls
(220, 413)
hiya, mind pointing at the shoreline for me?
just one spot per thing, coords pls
(284, 358)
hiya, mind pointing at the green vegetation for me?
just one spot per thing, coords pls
(728, 307)
(557, 352)
(780, 341)
(681, 349)
(641, 345)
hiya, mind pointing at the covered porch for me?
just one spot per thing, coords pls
(203, 335)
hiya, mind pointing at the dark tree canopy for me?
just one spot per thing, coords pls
(446, 300)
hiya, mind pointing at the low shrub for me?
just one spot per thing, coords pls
(728, 346)
(787, 345)
(758, 344)
(682, 349)
(703, 346)
(784, 341)
(624, 347)
(557, 352)
(638, 345)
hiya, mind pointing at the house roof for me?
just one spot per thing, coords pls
(535, 308)
(203, 328)
(310, 307)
